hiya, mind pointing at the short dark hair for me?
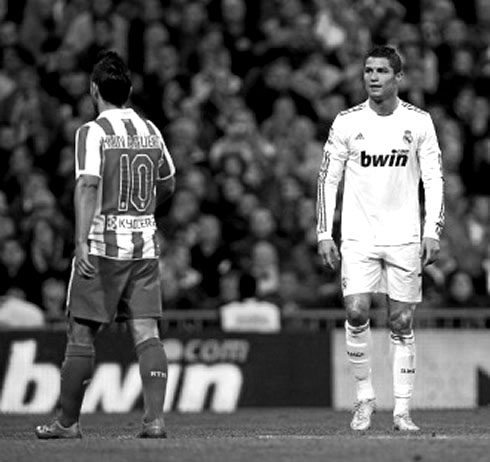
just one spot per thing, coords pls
(112, 77)
(389, 53)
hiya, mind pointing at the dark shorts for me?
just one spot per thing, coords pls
(120, 290)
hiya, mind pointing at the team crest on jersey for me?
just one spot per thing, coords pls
(408, 137)
(360, 136)
(111, 222)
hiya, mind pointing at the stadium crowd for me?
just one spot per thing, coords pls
(244, 93)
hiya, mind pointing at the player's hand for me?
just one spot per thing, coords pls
(329, 253)
(430, 250)
(82, 263)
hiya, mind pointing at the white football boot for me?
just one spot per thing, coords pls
(404, 423)
(363, 410)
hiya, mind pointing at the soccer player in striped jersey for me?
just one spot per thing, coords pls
(382, 148)
(123, 173)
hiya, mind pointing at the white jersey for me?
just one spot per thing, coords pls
(383, 159)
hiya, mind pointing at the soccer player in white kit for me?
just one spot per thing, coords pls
(383, 148)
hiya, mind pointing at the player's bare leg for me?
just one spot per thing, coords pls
(359, 351)
(76, 373)
(403, 357)
(153, 370)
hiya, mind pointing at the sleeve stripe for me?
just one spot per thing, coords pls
(150, 127)
(321, 212)
(442, 213)
(81, 147)
(442, 216)
(106, 126)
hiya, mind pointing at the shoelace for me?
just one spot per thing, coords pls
(407, 419)
(361, 409)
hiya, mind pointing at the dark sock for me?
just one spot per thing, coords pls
(76, 373)
(153, 371)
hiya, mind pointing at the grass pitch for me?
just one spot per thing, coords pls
(254, 435)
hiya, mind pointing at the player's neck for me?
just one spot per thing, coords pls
(384, 107)
(105, 106)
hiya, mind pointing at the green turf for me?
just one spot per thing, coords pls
(285, 435)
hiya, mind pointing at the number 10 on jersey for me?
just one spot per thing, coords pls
(136, 182)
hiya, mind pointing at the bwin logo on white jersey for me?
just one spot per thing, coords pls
(397, 158)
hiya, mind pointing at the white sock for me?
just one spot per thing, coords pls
(359, 346)
(403, 357)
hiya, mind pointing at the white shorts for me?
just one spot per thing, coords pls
(395, 270)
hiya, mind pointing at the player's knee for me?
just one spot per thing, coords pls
(401, 322)
(357, 309)
(143, 329)
(81, 332)
(357, 315)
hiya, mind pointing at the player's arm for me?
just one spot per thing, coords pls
(166, 175)
(87, 168)
(331, 170)
(432, 179)
(86, 190)
(165, 190)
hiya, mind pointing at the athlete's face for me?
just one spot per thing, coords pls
(380, 80)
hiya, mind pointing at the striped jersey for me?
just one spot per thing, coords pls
(382, 160)
(128, 154)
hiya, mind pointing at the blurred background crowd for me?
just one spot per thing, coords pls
(244, 93)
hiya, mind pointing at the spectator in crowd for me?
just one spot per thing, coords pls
(7, 227)
(242, 138)
(182, 219)
(53, 300)
(199, 180)
(39, 26)
(229, 290)
(103, 39)
(183, 140)
(46, 256)
(265, 267)
(81, 30)
(436, 276)
(18, 313)
(237, 18)
(486, 269)
(210, 256)
(480, 167)
(193, 22)
(461, 292)
(7, 222)
(263, 87)
(302, 153)
(14, 271)
(20, 167)
(235, 223)
(8, 141)
(276, 127)
(249, 313)
(287, 199)
(31, 111)
(186, 281)
(262, 227)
